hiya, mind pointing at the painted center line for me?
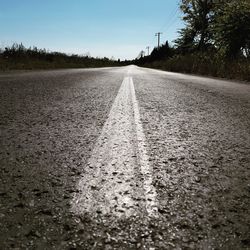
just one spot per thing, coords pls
(118, 177)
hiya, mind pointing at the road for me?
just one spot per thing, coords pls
(123, 158)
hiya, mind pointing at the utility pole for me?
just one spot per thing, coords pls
(148, 49)
(159, 38)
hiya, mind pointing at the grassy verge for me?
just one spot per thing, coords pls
(17, 57)
(9, 64)
(205, 65)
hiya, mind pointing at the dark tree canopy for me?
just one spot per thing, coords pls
(222, 24)
(197, 17)
(232, 28)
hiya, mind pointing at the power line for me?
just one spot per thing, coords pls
(171, 17)
(173, 20)
(148, 49)
(169, 22)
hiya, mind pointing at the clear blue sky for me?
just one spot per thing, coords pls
(119, 28)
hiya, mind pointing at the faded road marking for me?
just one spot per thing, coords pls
(111, 183)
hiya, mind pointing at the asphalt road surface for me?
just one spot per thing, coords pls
(123, 158)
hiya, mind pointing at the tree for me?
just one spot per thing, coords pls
(165, 51)
(231, 28)
(185, 43)
(197, 16)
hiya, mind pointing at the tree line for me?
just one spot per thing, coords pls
(215, 40)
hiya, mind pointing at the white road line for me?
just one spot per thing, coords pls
(110, 184)
(146, 169)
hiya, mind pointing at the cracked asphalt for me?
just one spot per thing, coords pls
(197, 133)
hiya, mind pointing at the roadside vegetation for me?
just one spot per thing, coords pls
(215, 41)
(17, 57)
